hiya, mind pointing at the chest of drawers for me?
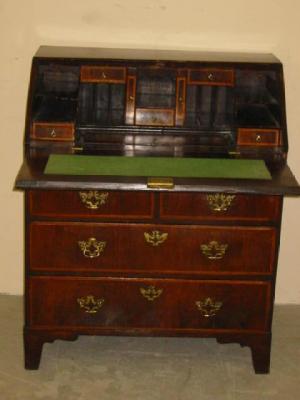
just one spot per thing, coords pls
(151, 263)
(178, 253)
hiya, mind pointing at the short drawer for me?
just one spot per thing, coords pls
(149, 248)
(219, 207)
(211, 76)
(154, 116)
(258, 137)
(102, 74)
(91, 204)
(53, 131)
(148, 303)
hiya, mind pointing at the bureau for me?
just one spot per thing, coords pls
(154, 185)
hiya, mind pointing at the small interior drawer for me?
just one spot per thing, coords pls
(102, 74)
(154, 116)
(53, 131)
(258, 137)
(211, 76)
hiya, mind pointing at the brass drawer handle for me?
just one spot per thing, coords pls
(90, 304)
(155, 238)
(91, 248)
(93, 199)
(151, 292)
(220, 202)
(210, 76)
(208, 307)
(214, 250)
(258, 138)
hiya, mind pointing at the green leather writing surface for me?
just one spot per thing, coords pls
(156, 166)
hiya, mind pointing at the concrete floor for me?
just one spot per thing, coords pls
(115, 368)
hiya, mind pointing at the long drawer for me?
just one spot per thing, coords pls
(148, 303)
(219, 207)
(91, 204)
(102, 247)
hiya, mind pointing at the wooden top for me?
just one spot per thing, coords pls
(31, 176)
(138, 54)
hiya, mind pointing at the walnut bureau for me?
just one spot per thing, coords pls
(141, 255)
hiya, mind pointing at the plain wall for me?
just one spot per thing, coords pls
(231, 25)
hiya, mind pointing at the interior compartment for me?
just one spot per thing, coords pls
(101, 104)
(156, 88)
(257, 99)
(55, 97)
(209, 107)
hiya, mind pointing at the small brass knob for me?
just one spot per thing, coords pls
(258, 138)
(210, 77)
(53, 133)
(104, 75)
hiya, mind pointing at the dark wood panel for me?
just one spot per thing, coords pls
(147, 303)
(64, 53)
(220, 207)
(57, 246)
(91, 204)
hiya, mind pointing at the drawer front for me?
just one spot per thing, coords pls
(91, 204)
(147, 303)
(102, 74)
(211, 76)
(219, 207)
(258, 137)
(156, 248)
(53, 131)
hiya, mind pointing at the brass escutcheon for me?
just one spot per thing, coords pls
(214, 250)
(93, 199)
(220, 202)
(151, 292)
(208, 307)
(155, 238)
(91, 248)
(90, 304)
